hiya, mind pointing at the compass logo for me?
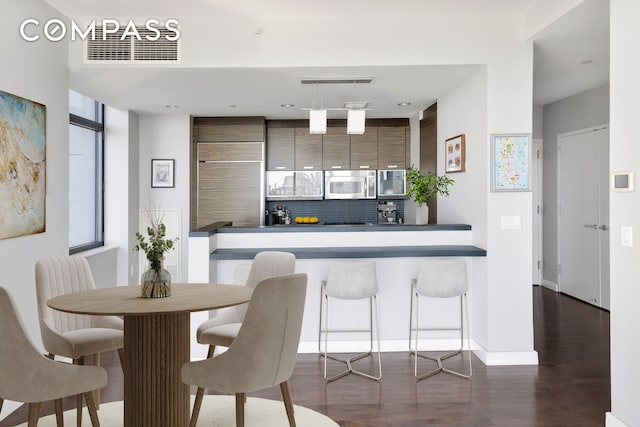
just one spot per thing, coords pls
(55, 30)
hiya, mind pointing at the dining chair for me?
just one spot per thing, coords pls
(263, 353)
(29, 377)
(222, 329)
(73, 336)
(440, 278)
(350, 280)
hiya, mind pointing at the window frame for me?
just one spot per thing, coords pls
(97, 126)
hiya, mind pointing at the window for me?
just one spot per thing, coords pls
(86, 132)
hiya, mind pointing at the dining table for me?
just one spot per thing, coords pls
(156, 342)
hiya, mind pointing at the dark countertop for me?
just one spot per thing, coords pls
(356, 252)
(311, 228)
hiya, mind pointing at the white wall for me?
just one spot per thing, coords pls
(495, 100)
(167, 137)
(624, 208)
(121, 160)
(37, 71)
(586, 109)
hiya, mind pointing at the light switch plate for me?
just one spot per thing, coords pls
(626, 235)
(513, 222)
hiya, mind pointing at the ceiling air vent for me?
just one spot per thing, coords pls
(130, 50)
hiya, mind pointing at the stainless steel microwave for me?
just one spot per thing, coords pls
(357, 184)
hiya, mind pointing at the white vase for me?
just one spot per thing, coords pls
(422, 214)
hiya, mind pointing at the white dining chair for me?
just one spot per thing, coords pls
(263, 353)
(29, 377)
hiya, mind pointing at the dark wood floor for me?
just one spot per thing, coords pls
(570, 387)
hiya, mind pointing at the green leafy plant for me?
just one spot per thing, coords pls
(423, 187)
(157, 244)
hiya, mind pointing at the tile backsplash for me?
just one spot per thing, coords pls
(334, 211)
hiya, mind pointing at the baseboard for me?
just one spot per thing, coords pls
(507, 358)
(611, 420)
(550, 285)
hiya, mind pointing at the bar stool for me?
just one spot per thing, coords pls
(441, 278)
(350, 280)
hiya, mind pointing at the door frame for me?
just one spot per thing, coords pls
(558, 201)
(537, 223)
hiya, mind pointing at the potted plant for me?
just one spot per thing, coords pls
(156, 281)
(423, 187)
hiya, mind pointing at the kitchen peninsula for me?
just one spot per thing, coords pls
(216, 251)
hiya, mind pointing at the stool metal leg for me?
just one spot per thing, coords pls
(325, 313)
(439, 359)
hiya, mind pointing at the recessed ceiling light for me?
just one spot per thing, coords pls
(233, 106)
(171, 107)
(287, 105)
(404, 104)
(586, 61)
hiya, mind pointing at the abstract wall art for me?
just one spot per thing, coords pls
(22, 166)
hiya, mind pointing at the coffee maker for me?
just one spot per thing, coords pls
(387, 213)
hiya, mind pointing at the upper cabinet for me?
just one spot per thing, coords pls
(308, 150)
(335, 149)
(392, 147)
(385, 144)
(229, 129)
(280, 149)
(364, 149)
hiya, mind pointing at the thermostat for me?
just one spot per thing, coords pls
(623, 181)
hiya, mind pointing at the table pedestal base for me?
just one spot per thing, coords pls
(155, 348)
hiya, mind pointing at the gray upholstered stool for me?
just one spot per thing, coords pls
(440, 278)
(350, 280)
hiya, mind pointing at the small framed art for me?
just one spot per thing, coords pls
(511, 162)
(162, 173)
(454, 151)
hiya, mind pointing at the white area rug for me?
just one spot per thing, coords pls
(217, 411)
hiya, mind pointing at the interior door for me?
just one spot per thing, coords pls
(583, 250)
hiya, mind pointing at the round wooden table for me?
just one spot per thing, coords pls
(156, 343)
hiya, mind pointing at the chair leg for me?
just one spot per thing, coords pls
(121, 356)
(34, 413)
(199, 395)
(79, 361)
(240, 398)
(96, 362)
(1, 402)
(59, 417)
(91, 406)
(286, 397)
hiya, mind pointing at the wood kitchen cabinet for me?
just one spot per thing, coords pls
(364, 149)
(336, 149)
(392, 147)
(280, 149)
(308, 150)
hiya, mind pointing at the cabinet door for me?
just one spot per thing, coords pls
(391, 148)
(280, 149)
(229, 191)
(336, 149)
(364, 149)
(308, 150)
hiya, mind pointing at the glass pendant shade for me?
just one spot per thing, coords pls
(355, 122)
(317, 121)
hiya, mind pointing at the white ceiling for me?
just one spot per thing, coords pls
(580, 35)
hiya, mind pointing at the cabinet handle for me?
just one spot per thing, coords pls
(307, 167)
(594, 226)
(392, 166)
(336, 167)
(280, 168)
(364, 166)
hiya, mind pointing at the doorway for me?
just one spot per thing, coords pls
(583, 215)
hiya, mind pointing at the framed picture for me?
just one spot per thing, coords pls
(454, 152)
(162, 173)
(22, 166)
(511, 162)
